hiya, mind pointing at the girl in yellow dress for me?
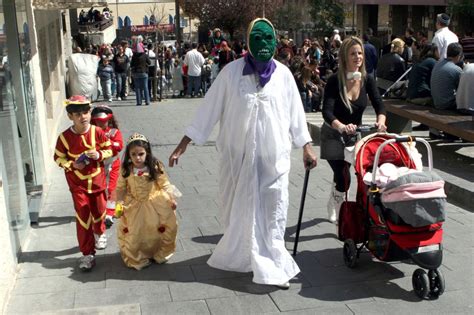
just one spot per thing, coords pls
(146, 203)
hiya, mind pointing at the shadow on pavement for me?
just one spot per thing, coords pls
(44, 222)
(209, 239)
(290, 233)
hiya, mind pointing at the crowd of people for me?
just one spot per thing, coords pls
(189, 69)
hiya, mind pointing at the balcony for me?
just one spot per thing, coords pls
(97, 26)
(65, 4)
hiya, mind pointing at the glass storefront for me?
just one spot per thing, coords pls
(21, 164)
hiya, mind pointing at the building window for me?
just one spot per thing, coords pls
(127, 21)
(120, 23)
(146, 21)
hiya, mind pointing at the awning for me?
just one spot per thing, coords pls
(66, 4)
(400, 2)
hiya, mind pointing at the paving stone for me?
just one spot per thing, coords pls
(51, 284)
(330, 310)
(132, 309)
(190, 257)
(40, 302)
(392, 307)
(203, 242)
(205, 272)
(160, 274)
(46, 268)
(245, 304)
(175, 307)
(147, 293)
(198, 291)
(320, 297)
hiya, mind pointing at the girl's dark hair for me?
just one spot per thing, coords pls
(113, 122)
(429, 51)
(154, 166)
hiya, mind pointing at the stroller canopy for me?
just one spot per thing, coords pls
(395, 153)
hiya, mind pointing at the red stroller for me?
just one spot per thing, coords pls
(400, 222)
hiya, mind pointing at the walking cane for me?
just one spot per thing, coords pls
(300, 217)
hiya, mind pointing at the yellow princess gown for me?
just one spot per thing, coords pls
(148, 228)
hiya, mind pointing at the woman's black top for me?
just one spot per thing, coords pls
(334, 108)
(140, 63)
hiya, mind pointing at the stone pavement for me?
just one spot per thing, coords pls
(48, 280)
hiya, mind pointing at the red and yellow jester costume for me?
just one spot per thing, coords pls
(87, 185)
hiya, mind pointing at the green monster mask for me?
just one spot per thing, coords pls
(261, 39)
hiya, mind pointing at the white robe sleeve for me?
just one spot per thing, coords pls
(210, 111)
(298, 126)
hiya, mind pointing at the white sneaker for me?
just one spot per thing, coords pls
(110, 100)
(100, 241)
(86, 262)
(284, 286)
(119, 98)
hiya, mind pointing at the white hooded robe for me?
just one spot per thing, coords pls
(257, 129)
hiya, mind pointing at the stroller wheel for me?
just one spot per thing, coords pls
(437, 285)
(420, 283)
(350, 253)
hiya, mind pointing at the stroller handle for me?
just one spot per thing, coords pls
(401, 139)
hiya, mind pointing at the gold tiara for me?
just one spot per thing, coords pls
(136, 136)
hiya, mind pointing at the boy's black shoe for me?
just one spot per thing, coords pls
(109, 221)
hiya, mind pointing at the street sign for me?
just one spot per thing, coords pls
(152, 28)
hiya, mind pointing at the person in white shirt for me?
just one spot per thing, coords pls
(194, 60)
(443, 36)
(153, 71)
(129, 53)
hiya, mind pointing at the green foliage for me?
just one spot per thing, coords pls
(288, 17)
(229, 15)
(327, 15)
(463, 7)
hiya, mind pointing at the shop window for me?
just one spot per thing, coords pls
(127, 22)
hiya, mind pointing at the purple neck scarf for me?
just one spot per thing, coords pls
(264, 69)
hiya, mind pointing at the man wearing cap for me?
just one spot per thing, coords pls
(80, 151)
(258, 106)
(443, 36)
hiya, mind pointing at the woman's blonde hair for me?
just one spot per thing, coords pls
(397, 46)
(346, 45)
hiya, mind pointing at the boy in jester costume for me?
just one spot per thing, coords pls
(259, 109)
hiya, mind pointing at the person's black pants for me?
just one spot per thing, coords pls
(341, 177)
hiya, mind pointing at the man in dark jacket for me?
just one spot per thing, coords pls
(121, 63)
(371, 56)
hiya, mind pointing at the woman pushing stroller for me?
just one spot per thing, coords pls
(345, 99)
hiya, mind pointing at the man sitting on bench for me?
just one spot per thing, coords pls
(445, 78)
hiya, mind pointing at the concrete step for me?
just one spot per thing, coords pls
(454, 162)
